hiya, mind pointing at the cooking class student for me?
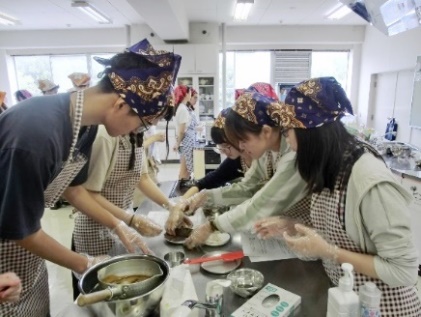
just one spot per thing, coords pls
(45, 143)
(271, 186)
(186, 126)
(237, 162)
(359, 213)
(232, 168)
(118, 165)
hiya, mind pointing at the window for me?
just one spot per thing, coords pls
(281, 68)
(55, 68)
(244, 69)
(332, 63)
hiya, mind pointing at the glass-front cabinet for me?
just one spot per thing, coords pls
(205, 87)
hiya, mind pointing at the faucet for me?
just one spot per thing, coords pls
(212, 309)
(214, 301)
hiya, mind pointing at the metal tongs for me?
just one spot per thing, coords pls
(226, 257)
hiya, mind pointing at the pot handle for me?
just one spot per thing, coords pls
(92, 298)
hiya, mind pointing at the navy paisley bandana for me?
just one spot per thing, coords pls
(318, 101)
(147, 90)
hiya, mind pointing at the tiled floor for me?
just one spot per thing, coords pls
(59, 224)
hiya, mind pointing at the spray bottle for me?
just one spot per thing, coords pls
(370, 300)
(342, 300)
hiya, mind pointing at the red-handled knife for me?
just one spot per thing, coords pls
(230, 256)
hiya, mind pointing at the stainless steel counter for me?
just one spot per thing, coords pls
(306, 279)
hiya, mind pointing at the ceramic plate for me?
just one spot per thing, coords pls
(219, 267)
(216, 239)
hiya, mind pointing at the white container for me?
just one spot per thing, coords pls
(370, 300)
(342, 300)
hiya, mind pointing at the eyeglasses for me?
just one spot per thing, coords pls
(145, 125)
(225, 149)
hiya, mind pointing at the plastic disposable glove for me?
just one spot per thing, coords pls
(195, 202)
(175, 218)
(309, 245)
(91, 262)
(130, 238)
(10, 287)
(199, 235)
(274, 227)
(145, 226)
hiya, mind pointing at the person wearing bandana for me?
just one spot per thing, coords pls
(45, 143)
(186, 124)
(271, 186)
(118, 165)
(359, 213)
(237, 163)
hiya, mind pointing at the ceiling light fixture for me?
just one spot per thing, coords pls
(92, 12)
(339, 12)
(242, 9)
(7, 19)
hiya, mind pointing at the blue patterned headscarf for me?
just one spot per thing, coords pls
(317, 101)
(260, 109)
(147, 90)
(220, 119)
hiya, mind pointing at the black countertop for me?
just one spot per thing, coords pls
(304, 278)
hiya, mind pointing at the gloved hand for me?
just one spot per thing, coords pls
(195, 202)
(145, 226)
(175, 218)
(131, 240)
(10, 287)
(91, 261)
(274, 227)
(309, 245)
(199, 235)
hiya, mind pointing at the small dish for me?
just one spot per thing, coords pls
(245, 282)
(219, 267)
(181, 235)
(216, 239)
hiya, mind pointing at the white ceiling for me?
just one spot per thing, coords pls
(168, 18)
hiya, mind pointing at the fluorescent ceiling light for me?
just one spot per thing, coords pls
(92, 12)
(242, 9)
(339, 12)
(7, 19)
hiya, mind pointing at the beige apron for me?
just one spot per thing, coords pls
(328, 216)
(34, 301)
(91, 237)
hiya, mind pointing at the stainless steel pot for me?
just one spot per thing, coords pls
(135, 306)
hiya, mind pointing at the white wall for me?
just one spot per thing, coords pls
(382, 54)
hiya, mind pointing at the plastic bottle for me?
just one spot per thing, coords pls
(370, 300)
(342, 300)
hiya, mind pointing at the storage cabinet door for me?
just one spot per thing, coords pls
(414, 188)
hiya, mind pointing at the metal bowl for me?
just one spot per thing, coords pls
(245, 282)
(141, 305)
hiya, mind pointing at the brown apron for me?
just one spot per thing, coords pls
(34, 300)
(328, 217)
(91, 237)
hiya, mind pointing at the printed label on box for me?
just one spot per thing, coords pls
(270, 301)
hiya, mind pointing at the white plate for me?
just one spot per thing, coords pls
(216, 239)
(219, 267)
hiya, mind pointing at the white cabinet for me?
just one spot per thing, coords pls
(414, 187)
(198, 58)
